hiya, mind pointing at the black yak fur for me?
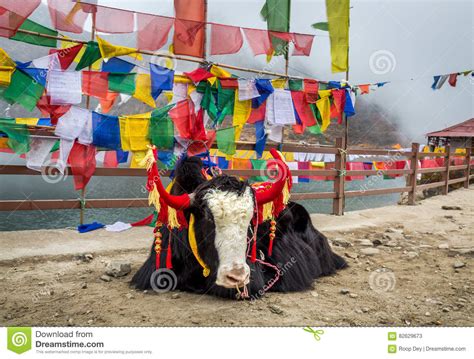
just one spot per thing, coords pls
(300, 251)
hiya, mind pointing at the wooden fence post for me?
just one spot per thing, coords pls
(411, 179)
(468, 168)
(340, 166)
(447, 159)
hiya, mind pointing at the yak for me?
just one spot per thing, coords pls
(223, 207)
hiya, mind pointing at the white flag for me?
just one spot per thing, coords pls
(64, 87)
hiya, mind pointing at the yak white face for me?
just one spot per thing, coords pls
(232, 214)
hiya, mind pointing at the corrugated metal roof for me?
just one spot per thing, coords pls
(463, 129)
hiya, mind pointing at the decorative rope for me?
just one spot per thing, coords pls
(193, 244)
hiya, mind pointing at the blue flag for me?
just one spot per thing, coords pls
(161, 79)
(117, 65)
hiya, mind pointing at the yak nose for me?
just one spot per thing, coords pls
(237, 275)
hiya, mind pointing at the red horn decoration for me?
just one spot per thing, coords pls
(180, 202)
(270, 194)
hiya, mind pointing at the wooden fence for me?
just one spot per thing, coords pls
(338, 194)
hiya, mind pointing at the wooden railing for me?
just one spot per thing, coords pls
(338, 194)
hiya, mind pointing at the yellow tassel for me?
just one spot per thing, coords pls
(149, 159)
(172, 218)
(154, 198)
(193, 244)
(286, 193)
(267, 211)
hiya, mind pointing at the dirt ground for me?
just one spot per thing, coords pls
(409, 265)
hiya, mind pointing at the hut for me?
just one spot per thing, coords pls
(457, 136)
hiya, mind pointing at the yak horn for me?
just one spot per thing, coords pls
(271, 193)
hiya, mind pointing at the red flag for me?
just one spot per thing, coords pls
(110, 159)
(225, 39)
(114, 21)
(339, 96)
(198, 147)
(107, 103)
(95, 84)
(311, 88)
(453, 79)
(302, 108)
(67, 56)
(259, 41)
(181, 116)
(153, 31)
(364, 89)
(189, 27)
(229, 83)
(257, 114)
(13, 13)
(53, 111)
(302, 42)
(82, 162)
(68, 15)
(198, 75)
(197, 125)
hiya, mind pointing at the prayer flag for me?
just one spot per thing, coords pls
(153, 31)
(143, 90)
(277, 15)
(91, 54)
(258, 41)
(225, 39)
(114, 21)
(189, 27)
(242, 110)
(64, 87)
(108, 50)
(23, 90)
(134, 132)
(32, 26)
(67, 15)
(82, 161)
(115, 64)
(106, 131)
(66, 56)
(226, 140)
(162, 128)
(95, 84)
(161, 79)
(198, 75)
(264, 88)
(18, 135)
(122, 83)
(13, 13)
(338, 24)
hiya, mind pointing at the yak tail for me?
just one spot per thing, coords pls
(339, 262)
(141, 279)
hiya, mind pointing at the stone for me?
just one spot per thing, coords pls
(344, 291)
(445, 309)
(393, 236)
(459, 264)
(129, 296)
(105, 278)
(70, 322)
(365, 310)
(451, 208)
(353, 295)
(443, 246)
(118, 268)
(412, 255)
(175, 296)
(377, 242)
(364, 242)
(84, 285)
(351, 255)
(369, 251)
(427, 314)
(90, 321)
(341, 242)
(84, 257)
(275, 309)
(314, 293)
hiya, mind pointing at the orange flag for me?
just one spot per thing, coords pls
(189, 29)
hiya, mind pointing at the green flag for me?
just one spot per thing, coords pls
(18, 135)
(208, 103)
(122, 83)
(23, 90)
(295, 85)
(277, 15)
(226, 140)
(91, 55)
(35, 39)
(161, 130)
(323, 26)
(260, 165)
(338, 24)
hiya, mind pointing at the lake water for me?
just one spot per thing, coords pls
(34, 187)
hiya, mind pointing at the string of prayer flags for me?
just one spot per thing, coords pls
(338, 23)
(134, 132)
(64, 87)
(23, 90)
(225, 140)
(13, 14)
(18, 135)
(122, 83)
(90, 56)
(106, 131)
(225, 39)
(108, 50)
(162, 128)
(32, 26)
(161, 79)
(153, 31)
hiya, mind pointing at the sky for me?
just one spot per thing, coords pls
(405, 42)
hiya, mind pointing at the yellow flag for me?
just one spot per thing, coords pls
(134, 132)
(137, 157)
(220, 72)
(324, 108)
(143, 90)
(5, 60)
(279, 83)
(338, 23)
(6, 75)
(27, 121)
(242, 111)
(108, 50)
(181, 79)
